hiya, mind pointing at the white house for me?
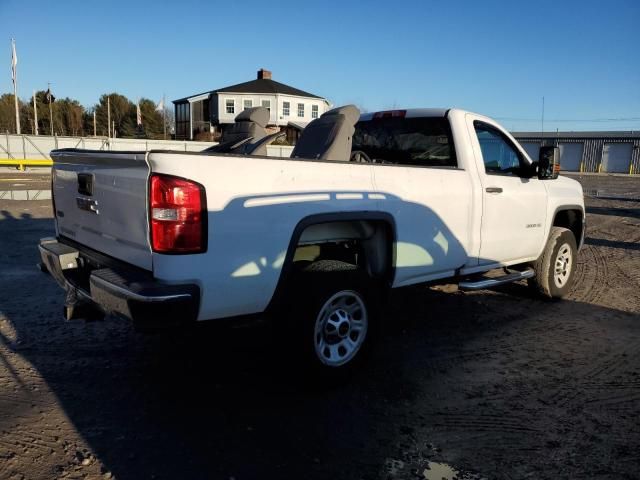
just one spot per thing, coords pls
(209, 112)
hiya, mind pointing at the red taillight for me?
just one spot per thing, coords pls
(178, 215)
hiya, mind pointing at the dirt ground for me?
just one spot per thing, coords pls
(493, 384)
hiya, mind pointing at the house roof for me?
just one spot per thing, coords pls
(260, 85)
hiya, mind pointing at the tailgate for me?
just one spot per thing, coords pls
(101, 202)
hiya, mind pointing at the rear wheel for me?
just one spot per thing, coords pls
(332, 317)
(340, 328)
(554, 270)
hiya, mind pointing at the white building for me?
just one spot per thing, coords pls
(209, 112)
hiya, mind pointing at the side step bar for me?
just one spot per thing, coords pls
(494, 282)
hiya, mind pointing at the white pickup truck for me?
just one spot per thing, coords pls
(366, 203)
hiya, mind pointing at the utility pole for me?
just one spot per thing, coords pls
(35, 114)
(94, 123)
(542, 121)
(108, 117)
(14, 76)
(164, 117)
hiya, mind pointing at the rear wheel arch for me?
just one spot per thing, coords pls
(378, 237)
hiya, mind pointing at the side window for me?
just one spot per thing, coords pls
(498, 154)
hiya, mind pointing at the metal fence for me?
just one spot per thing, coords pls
(593, 148)
(33, 149)
(38, 147)
(25, 194)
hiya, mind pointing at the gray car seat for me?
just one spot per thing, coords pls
(260, 147)
(249, 126)
(251, 122)
(232, 146)
(328, 137)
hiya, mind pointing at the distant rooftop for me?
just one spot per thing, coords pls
(262, 84)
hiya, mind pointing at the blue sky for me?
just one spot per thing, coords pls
(498, 58)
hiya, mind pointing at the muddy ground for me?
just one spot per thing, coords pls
(494, 384)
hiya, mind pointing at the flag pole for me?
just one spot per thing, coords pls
(14, 71)
(50, 107)
(35, 114)
(138, 115)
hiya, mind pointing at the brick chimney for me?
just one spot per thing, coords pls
(264, 74)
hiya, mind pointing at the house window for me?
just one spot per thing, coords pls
(286, 106)
(267, 104)
(182, 120)
(301, 109)
(231, 105)
(206, 105)
(200, 120)
(247, 104)
(314, 111)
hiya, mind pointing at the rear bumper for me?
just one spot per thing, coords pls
(119, 288)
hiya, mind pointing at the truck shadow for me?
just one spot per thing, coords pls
(218, 402)
(602, 242)
(620, 212)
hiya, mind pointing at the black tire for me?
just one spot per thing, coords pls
(545, 281)
(309, 293)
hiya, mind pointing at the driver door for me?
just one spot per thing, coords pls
(514, 207)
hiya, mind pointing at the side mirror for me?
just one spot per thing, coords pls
(529, 171)
(549, 163)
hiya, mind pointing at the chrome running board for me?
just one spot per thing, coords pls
(484, 283)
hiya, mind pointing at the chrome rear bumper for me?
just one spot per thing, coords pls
(119, 288)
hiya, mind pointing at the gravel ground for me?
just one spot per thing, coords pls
(492, 384)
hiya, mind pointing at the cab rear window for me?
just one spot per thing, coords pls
(425, 142)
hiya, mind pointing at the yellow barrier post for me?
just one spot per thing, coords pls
(27, 162)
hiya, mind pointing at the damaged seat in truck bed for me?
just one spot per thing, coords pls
(330, 136)
(249, 126)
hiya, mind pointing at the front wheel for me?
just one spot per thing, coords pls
(554, 270)
(333, 317)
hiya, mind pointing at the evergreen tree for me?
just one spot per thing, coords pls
(70, 118)
(8, 113)
(123, 113)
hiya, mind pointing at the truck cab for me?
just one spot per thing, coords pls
(499, 213)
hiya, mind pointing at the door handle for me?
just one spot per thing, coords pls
(493, 189)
